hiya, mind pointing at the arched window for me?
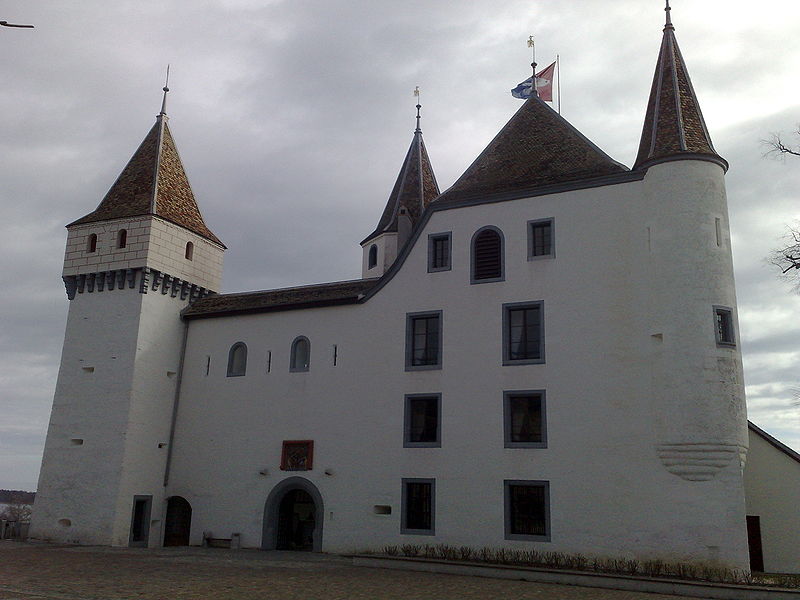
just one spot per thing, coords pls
(237, 360)
(300, 355)
(487, 255)
(91, 245)
(189, 250)
(373, 256)
(122, 238)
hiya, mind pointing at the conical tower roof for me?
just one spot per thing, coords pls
(413, 190)
(153, 182)
(674, 128)
(536, 148)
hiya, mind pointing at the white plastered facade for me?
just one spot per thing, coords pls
(645, 412)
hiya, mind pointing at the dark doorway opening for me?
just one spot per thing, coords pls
(140, 521)
(296, 521)
(178, 522)
(754, 543)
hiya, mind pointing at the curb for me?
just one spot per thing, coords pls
(692, 589)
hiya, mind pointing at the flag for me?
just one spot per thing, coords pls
(544, 85)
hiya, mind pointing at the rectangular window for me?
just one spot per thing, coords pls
(540, 238)
(523, 333)
(524, 419)
(439, 252)
(424, 341)
(423, 421)
(723, 326)
(527, 510)
(418, 506)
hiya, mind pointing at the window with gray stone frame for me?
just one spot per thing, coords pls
(423, 421)
(527, 510)
(541, 239)
(424, 340)
(723, 326)
(487, 261)
(300, 355)
(237, 360)
(524, 419)
(418, 503)
(439, 252)
(523, 333)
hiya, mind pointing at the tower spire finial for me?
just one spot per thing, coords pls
(668, 10)
(416, 95)
(164, 101)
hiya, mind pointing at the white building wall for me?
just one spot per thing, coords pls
(772, 489)
(611, 490)
(386, 244)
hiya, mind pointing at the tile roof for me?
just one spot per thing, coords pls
(413, 190)
(537, 147)
(153, 182)
(674, 128)
(307, 296)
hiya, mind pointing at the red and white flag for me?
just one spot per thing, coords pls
(544, 82)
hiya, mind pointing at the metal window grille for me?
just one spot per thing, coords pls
(528, 512)
(419, 499)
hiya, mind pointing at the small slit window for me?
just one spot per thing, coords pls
(300, 358)
(237, 360)
(122, 238)
(372, 259)
(723, 326)
(487, 255)
(91, 245)
(189, 251)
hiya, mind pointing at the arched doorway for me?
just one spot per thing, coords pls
(293, 516)
(178, 522)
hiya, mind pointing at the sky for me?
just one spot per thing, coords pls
(292, 118)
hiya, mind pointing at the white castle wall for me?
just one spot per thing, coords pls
(616, 395)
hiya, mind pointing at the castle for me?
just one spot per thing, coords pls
(545, 353)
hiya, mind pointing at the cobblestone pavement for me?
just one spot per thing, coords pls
(51, 572)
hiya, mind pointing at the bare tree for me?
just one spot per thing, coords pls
(18, 509)
(778, 147)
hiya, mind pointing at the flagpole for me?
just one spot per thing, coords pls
(532, 46)
(558, 73)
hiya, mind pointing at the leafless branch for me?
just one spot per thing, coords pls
(778, 147)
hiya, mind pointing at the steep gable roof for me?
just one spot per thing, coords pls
(536, 148)
(674, 128)
(153, 182)
(413, 190)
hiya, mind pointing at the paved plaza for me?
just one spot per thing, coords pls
(50, 572)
